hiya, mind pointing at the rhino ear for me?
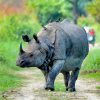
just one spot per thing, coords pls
(25, 38)
(44, 27)
(36, 38)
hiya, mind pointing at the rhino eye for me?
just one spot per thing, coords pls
(31, 55)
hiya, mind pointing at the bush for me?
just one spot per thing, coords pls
(86, 21)
(12, 27)
(8, 77)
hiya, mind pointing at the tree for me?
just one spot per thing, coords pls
(78, 8)
(54, 9)
(94, 9)
(51, 9)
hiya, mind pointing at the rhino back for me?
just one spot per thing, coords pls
(78, 38)
(71, 40)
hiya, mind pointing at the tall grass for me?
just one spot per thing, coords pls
(92, 62)
(97, 32)
(8, 77)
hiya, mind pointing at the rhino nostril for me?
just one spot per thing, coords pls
(22, 61)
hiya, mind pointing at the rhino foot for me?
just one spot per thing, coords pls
(49, 88)
(71, 89)
(66, 88)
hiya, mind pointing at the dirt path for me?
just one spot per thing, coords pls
(88, 89)
(32, 89)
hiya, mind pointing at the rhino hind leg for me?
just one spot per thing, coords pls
(72, 80)
(66, 79)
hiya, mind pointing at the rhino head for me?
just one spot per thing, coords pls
(33, 55)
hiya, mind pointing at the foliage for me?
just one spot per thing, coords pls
(90, 21)
(50, 10)
(54, 9)
(86, 21)
(92, 62)
(94, 9)
(97, 31)
(13, 26)
(95, 76)
(8, 77)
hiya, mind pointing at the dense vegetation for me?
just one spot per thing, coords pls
(38, 12)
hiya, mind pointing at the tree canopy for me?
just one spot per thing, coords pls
(53, 9)
(93, 9)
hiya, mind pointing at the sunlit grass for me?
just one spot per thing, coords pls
(92, 61)
(8, 77)
(95, 76)
(59, 86)
(8, 80)
(98, 87)
(97, 32)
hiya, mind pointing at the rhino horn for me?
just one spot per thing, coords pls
(21, 49)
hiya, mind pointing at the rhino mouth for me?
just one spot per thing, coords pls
(23, 64)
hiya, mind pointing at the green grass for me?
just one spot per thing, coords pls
(59, 86)
(91, 66)
(97, 32)
(92, 76)
(98, 87)
(8, 77)
(9, 81)
(92, 61)
(8, 53)
(95, 76)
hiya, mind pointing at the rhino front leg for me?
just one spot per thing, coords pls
(56, 68)
(45, 76)
(72, 80)
(66, 79)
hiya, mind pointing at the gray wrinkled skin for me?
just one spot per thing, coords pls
(70, 49)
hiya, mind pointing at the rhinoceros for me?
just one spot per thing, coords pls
(58, 47)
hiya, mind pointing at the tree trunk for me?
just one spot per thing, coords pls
(75, 11)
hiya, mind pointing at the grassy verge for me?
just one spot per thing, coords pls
(97, 31)
(92, 62)
(95, 76)
(91, 66)
(8, 77)
(98, 87)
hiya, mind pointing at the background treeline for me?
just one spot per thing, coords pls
(19, 17)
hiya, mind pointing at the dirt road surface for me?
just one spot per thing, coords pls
(32, 89)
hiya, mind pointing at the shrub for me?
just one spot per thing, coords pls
(12, 27)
